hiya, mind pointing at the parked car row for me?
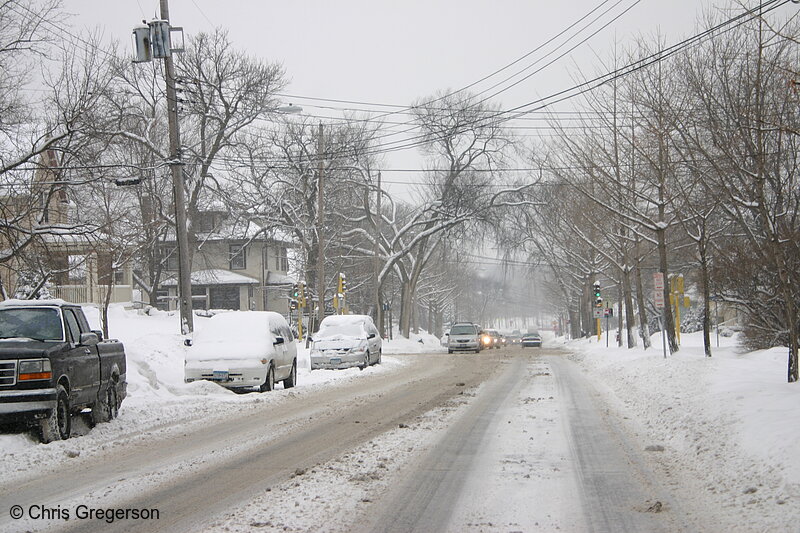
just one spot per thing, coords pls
(257, 349)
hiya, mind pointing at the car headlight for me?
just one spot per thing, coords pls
(34, 369)
(359, 349)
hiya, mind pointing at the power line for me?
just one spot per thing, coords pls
(589, 85)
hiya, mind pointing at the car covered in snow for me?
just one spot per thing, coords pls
(243, 350)
(345, 341)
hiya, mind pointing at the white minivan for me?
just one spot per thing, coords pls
(345, 341)
(243, 350)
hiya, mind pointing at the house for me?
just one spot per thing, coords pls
(236, 264)
(76, 259)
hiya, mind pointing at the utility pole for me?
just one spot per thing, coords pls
(176, 166)
(377, 262)
(320, 222)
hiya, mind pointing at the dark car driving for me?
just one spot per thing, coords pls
(532, 339)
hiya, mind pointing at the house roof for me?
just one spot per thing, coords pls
(276, 278)
(215, 276)
(242, 229)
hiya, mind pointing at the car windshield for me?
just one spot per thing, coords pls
(464, 329)
(38, 323)
(348, 329)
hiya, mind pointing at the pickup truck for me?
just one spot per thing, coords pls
(53, 366)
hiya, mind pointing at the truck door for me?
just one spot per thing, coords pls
(83, 363)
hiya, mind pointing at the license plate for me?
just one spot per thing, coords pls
(336, 360)
(220, 375)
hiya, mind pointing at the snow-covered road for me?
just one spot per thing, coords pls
(576, 438)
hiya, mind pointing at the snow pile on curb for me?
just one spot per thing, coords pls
(730, 420)
(421, 342)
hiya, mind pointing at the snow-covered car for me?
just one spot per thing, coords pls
(345, 341)
(242, 350)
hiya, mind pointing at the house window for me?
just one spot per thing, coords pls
(77, 269)
(205, 223)
(224, 297)
(162, 299)
(169, 258)
(281, 260)
(199, 297)
(238, 256)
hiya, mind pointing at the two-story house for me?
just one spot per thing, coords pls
(74, 259)
(236, 264)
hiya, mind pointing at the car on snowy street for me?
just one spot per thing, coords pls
(532, 339)
(491, 338)
(53, 366)
(242, 350)
(464, 337)
(345, 341)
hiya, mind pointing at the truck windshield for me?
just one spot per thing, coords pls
(38, 323)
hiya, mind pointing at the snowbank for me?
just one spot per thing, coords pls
(731, 419)
(422, 342)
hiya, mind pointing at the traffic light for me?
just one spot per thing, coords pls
(598, 298)
(342, 283)
(292, 304)
(295, 291)
(301, 298)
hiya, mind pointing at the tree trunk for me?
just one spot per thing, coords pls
(630, 316)
(644, 327)
(405, 308)
(574, 324)
(704, 277)
(669, 319)
(106, 303)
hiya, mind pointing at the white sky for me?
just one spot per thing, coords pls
(394, 52)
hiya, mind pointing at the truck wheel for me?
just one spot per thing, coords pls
(291, 381)
(107, 409)
(113, 403)
(58, 425)
(269, 381)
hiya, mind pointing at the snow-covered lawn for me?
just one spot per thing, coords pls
(730, 423)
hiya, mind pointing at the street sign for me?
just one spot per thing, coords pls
(658, 289)
(598, 312)
(658, 298)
